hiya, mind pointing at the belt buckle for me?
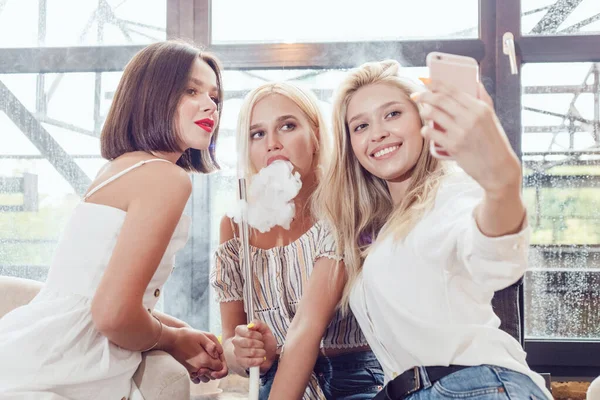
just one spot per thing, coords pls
(417, 378)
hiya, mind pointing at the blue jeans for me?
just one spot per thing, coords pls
(351, 376)
(484, 382)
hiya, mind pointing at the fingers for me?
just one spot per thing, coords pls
(441, 118)
(259, 326)
(249, 348)
(438, 137)
(204, 360)
(249, 331)
(209, 343)
(215, 340)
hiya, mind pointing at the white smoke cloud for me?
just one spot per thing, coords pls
(270, 197)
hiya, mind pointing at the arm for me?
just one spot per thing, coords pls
(117, 307)
(170, 321)
(232, 310)
(315, 311)
(476, 140)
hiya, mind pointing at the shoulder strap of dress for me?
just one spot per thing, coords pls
(120, 174)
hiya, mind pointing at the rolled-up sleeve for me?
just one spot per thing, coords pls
(226, 275)
(493, 262)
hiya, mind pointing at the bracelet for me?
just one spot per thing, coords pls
(159, 335)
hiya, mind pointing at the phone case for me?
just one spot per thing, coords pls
(459, 71)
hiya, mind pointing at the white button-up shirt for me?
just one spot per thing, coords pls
(426, 300)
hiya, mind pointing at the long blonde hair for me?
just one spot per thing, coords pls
(308, 104)
(356, 204)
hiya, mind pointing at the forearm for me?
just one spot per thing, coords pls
(139, 331)
(501, 212)
(170, 320)
(296, 364)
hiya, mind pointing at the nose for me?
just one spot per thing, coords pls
(378, 132)
(273, 142)
(207, 104)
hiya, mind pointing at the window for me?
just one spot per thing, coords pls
(57, 81)
(91, 22)
(272, 21)
(561, 166)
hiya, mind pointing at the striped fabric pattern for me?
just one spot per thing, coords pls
(280, 274)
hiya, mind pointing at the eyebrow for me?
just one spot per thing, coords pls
(389, 103)
(201, 84)
(279, 119)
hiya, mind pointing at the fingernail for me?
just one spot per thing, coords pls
(414, 96)
(426, 81)
(251, 325)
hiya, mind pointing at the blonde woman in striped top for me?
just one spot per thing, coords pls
(298, 279)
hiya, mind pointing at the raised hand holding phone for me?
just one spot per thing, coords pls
(459, 72)
(471, 134)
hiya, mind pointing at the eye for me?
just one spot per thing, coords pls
(191, 91)
(215, 100)
(257, 135)
(288, 126)
(393, 114)
(360, 127)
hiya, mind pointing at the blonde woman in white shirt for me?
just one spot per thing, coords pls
(427, 244)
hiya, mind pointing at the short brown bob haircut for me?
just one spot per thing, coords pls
(142, 116)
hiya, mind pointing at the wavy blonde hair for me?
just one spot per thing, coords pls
(308, 104)
(356, 204)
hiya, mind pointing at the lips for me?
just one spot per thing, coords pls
(275, 158)
(382, 151)
(207, 124)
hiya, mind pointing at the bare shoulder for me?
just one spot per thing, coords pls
(167, 177)
(226, 230)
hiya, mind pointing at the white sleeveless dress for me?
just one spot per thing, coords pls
(50, 348)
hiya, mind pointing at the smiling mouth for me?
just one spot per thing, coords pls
(381, 153)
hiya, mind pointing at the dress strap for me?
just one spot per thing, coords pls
(120, 174)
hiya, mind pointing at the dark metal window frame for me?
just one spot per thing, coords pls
(191, 19)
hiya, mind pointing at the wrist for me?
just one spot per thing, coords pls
(167, 339)
(267, 365)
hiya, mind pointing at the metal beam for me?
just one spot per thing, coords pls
(339, 55)
(546, 49)
(66, 59)
(556, 15)
(559, 89)
(561, 181)
(43, 141)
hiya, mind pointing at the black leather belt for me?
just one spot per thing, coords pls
(410, 382)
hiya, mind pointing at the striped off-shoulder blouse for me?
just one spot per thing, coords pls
(280, 274)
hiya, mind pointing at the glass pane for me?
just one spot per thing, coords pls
(560, 17)
(561, 160)
(71, 111)
(223, 185)
(81, 22)
(276, 21)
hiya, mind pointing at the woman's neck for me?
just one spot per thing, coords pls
(302, 199)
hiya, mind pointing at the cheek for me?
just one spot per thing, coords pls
(256, 155)
(357, 143)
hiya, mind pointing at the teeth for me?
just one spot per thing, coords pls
(385, 151)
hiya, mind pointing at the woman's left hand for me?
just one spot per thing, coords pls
(473, 135)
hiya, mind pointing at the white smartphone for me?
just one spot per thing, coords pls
(459, 71)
